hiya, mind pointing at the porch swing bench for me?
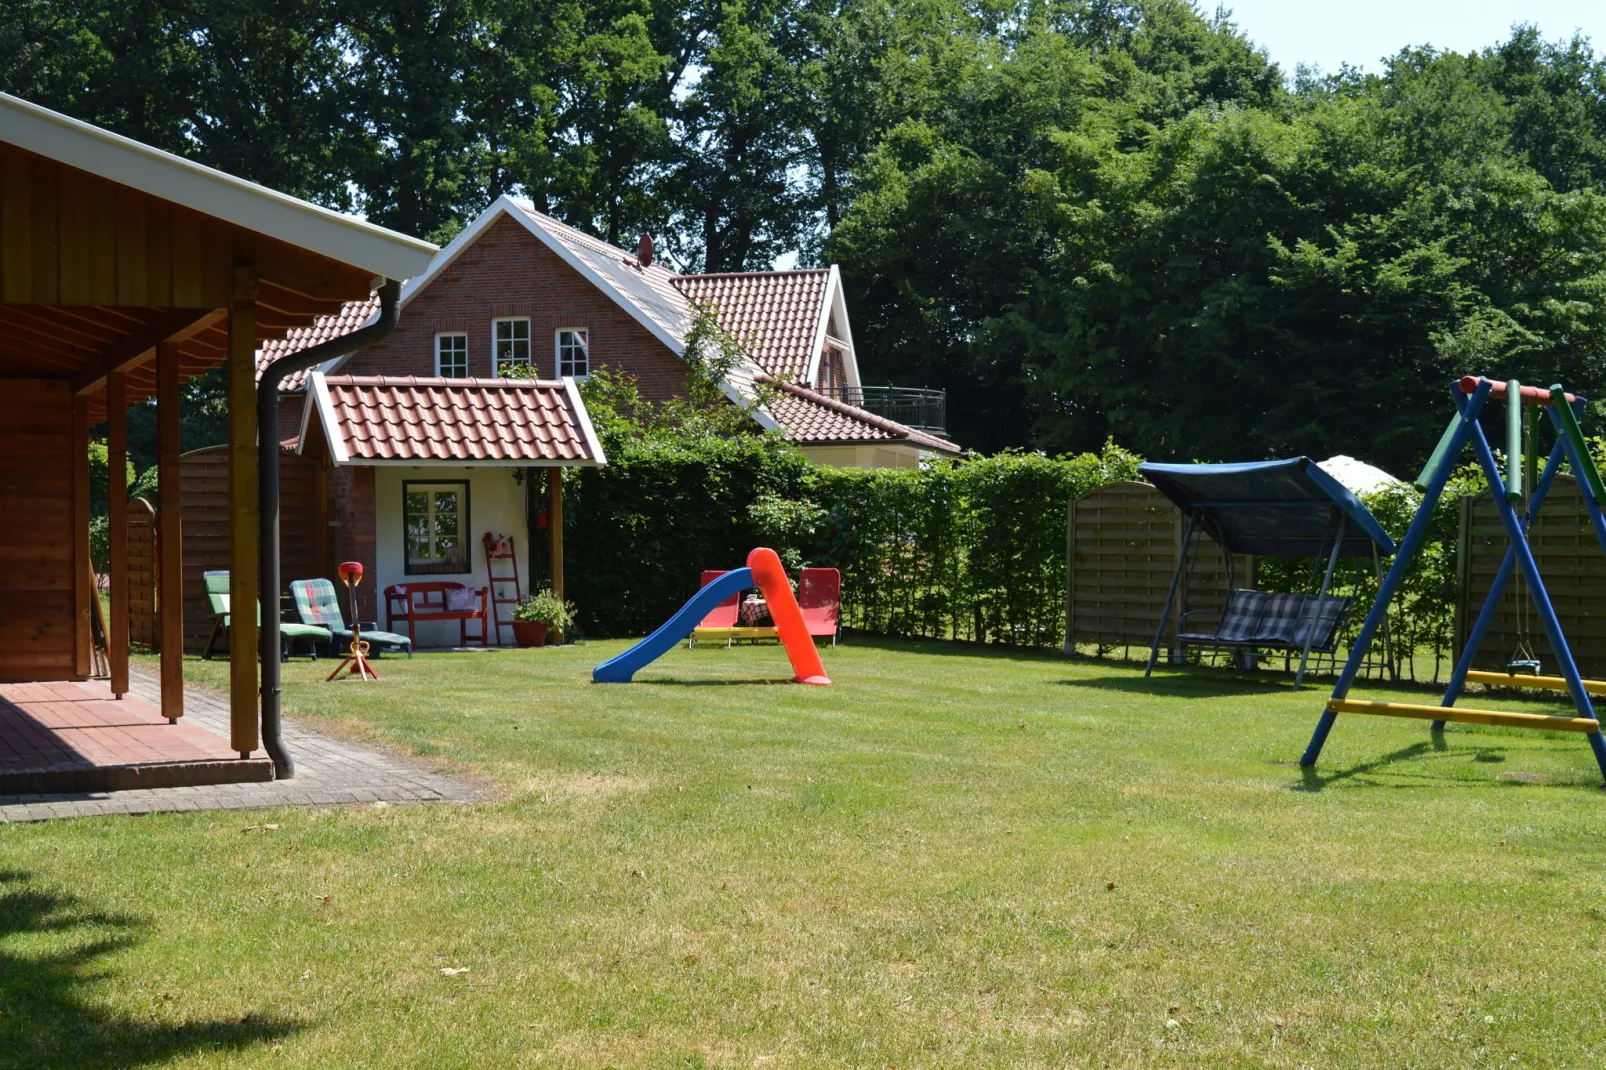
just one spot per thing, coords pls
(1263, 620)
(1289, 508)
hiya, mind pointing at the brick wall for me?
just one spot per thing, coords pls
(510, 272)
(290, 416)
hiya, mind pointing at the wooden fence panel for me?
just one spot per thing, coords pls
(1570, 562)
(1122, 542)
(302, 534)
(141, 574)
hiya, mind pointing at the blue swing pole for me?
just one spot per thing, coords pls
(1441, 464)
(1497, 589)
(1536, 586)
(1165, 613)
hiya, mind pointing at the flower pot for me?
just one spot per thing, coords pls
(529, 633)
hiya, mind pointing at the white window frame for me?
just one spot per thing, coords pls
(440, 371)
(497, 360)
(557, 351)
(459, 563)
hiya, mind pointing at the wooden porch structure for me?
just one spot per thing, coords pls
(125, 271)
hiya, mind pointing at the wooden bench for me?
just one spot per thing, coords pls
(438, 600)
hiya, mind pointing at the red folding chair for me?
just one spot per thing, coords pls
(819, 596)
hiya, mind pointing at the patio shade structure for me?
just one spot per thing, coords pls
(1286, 508)
(125, 271)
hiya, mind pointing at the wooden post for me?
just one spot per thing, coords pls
(244, 513)
(170, 532)
(117, 527)
(83, 590)
(554, 528)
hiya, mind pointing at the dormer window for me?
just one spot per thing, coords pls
(511, 342)
(574, 353)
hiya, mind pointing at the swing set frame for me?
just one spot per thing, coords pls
(1471, 395)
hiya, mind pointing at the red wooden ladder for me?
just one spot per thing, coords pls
(500, 548)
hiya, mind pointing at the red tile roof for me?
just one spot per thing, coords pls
(352, 314)
(381, 419)
(775, 315)
(812, 419)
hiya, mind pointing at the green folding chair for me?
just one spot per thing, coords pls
(217, 594)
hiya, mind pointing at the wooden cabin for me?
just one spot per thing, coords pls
(124, 271)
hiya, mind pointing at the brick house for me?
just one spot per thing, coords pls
(518, 287)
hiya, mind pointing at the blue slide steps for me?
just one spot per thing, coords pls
(621, 667)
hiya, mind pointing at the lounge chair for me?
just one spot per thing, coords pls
(318, 603)
(217, 593)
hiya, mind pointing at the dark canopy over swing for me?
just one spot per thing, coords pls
(1288, 508)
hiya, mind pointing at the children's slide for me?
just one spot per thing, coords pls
(763, 570)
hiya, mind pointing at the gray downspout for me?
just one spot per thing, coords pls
(268, 485)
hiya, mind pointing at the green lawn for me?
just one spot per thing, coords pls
(950, 858)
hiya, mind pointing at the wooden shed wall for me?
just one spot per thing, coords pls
(303, 528)
(1573, 568)
(141, 573)
(37, 637)
(1122, 542)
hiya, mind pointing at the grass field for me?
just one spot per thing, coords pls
(953, 857)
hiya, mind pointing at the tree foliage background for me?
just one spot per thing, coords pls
(1083, 218)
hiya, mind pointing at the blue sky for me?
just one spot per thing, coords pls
(1361, 32)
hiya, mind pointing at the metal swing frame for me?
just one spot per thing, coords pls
(1471, 395)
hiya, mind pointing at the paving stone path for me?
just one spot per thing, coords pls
(328, 773)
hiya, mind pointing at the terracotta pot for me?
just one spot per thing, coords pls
(529, 633)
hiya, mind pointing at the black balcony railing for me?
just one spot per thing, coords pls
(916, 407)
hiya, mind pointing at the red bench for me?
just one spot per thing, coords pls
(438, 600)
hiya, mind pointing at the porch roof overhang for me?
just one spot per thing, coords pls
(109, 247)
(436, 422)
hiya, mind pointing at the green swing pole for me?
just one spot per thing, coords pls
(1575, 434)
(1514, 453)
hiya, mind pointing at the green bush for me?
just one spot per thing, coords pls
(970, 549)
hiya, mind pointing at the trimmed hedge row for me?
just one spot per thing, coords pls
(971, 550)
(957, 550)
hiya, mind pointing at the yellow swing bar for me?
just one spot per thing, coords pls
(1464, 716)
(1547, 683)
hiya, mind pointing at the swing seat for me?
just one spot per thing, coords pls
(1265, 619)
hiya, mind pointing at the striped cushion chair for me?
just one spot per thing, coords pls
(318, 603)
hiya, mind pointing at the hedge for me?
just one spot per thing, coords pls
(956, 550)
(970, 550)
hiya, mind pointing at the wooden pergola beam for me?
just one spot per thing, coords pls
(244, 514)
(175, 325)
(554, 490)
(117, 528)
(170, 531)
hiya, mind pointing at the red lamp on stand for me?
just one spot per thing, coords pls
(356, 663)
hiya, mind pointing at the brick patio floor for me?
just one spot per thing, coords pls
(328, 772)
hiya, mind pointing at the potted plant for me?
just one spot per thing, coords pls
(539, 614)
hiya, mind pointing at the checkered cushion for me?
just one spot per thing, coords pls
(317, 603)
(1265, 618)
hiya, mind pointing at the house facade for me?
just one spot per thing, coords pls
(519, 289)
